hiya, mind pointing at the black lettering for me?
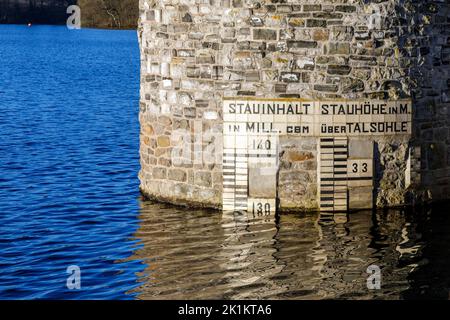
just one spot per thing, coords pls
(373, 127)
(334, 107)
(267, 209)
(364, 128)
(376, 109)
(306, 105)
(240, 105)
(393, 110)
(364, 167)
(404, 108)
(250, 127)
(389, 126)
(290, 110)
(404, 126)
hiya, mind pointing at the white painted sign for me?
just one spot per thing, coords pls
(251, 128)
(318, 118)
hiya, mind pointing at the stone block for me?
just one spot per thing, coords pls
(203, 178)
(301, 44)
(338, 48)
(163, 141)
(298, 156)
(296, 22)
(320, 35)
(262, 182)
(264, 34)
(326, 87)
(311, 7)
(345, 8)
(290, 76)
(351, 85)
(316, 23)
(360, 198)
(256, 21)
(339, 69)
(360, 149)
(159, 173)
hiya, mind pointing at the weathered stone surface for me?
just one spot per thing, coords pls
(361, 198)
(295, 156)
(296, 22)
(193, 55)
(311, 7)
(177, 175)
(316, 23)
(338, 48)
(321, 35)
(203, 179)
(293, 45)
(326, 87)
(339, 69)
(264, 34)
(345, 8)
(262, 182)
(163, 141)
(359, 148)
(306, 63)
(352, 85)
(159, 173)
(290, 76)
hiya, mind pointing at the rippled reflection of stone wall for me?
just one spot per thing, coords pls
(202, 254)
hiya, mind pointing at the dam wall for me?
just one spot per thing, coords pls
(295, 105)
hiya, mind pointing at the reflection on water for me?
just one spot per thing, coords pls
(194, 254)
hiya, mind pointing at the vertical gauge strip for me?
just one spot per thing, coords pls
(235, 175)
(333, 174)
(241, 175)
(229, 179)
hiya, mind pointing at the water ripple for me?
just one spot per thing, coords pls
(208, 255)
(69, 196)
(68, 162)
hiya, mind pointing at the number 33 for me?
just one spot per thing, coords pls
(355, 167)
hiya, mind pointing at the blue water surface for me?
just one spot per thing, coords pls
(69, 143)
(69, 195)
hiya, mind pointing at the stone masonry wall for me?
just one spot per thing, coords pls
(195, 52)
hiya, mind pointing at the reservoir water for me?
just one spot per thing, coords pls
(69, 196)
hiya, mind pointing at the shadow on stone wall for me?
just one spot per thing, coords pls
(426, 43)
(420, 69)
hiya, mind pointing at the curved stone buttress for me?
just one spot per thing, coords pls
(195, 53)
